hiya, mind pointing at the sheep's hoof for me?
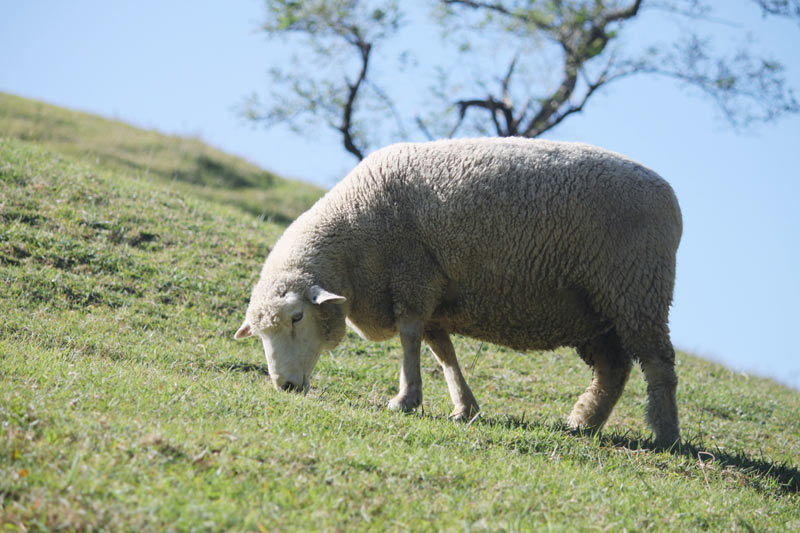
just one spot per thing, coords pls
(668, 439)
(581, 426)
(464, 413)
(405, 403)
(575, 422)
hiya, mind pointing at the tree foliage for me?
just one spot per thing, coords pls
(371, 68)
(783, 8)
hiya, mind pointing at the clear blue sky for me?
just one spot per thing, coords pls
(181, 67)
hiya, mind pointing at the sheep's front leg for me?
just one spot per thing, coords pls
(410, 394)
(464, 404)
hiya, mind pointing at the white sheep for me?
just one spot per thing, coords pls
(530, 244)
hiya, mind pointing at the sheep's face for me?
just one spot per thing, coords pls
(298, 326)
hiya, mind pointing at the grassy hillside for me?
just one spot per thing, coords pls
(188, 165)
(125, 403)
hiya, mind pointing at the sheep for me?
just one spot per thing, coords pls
(530, 244)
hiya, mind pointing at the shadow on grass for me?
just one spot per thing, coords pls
(197, 169)
(784, 474)
(258, 211)
(209, 184)
(207, 170)
(240, 366)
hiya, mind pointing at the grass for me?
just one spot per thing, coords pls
(125, 404)
(187, 165)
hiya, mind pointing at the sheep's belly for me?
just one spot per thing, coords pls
(534, 336)
(561, 318)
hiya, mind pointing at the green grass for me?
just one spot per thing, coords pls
(187, 165)
(126, 405)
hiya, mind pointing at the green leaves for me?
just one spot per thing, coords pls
(725, 83)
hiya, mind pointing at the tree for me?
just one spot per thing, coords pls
(485, 70)
(783, 8)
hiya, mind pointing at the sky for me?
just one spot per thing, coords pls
(182, 67)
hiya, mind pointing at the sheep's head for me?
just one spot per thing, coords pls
(295, 324)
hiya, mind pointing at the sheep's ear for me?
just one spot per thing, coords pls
(318, 295)
(245, 331)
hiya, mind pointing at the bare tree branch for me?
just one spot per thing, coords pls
(347, 111)
(498, 7)
(490, 104)
(503, 106)
(602, 79)
(691, 9)
(423, 128)
(317, 91)
(387, 101)
(507, 77)
(620, 14)
(581, 39)
(549, 106)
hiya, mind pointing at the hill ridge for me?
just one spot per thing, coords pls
(190, 164)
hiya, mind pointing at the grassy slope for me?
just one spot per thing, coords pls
(124, 403)
(187, 165)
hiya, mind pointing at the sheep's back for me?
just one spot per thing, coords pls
(525, 231)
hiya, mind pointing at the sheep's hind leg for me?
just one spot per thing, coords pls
(410, 393)
(611, 366)
(656, 356)
(464, 404)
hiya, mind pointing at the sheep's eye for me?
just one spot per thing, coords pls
(297, 317)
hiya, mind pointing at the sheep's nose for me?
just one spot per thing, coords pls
(291, 387)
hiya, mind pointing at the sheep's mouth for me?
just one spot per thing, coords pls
(294, 387)
(291, 387)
